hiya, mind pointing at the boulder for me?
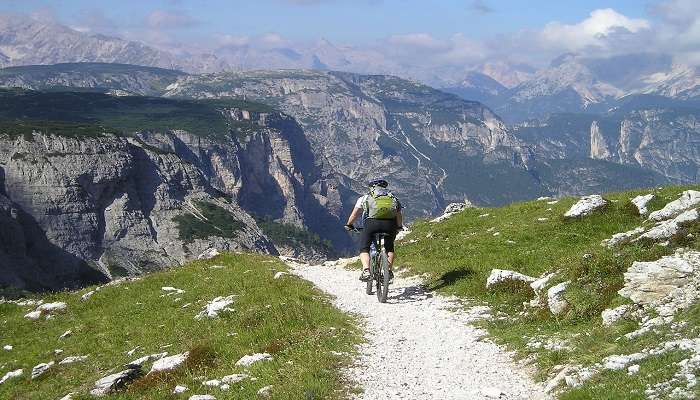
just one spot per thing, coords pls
(667, 285)
(113, 382)
(555, 298)
(499, 276)
(169, 363)
(212, 309)
(585, 206)
(140, 361)
(52, 307)
(12, 374)
(7, 347)
(265, 391)
(452, 209)
(248, 360)
(34, 315)
(73, 359)
(611, 316)
(688, 199)
(641, 202)
(235, 378)
(39, 369)
(620, 237)
(179, 389)
(618, 362)
(666, 229)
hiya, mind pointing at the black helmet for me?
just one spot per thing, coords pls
(378, 182)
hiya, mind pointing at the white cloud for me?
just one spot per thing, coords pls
(161, 19)
(423, 41)
(593, 31)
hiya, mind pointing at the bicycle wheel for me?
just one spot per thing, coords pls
(383, 278)
(370, 281)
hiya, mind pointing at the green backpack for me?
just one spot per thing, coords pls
(381, 204)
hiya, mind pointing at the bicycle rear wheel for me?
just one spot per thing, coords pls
(383, 278)
(370, 280)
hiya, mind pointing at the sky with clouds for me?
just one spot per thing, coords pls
(441, 32)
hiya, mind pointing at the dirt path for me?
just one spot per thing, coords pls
(419, 346)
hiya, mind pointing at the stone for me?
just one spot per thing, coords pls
(69, 396)
(585, 206)
(633, 369)
(40, 369)
(209, 254)
(265, 391)
(558, 379)
(280, 274)
(502, 275)
(87, 295)
(7, 347)
(110, 383)
(171, 290)
(212, 382)
(618, 362)
(202, 397)
(688, 199)
(641, 202)
(132, 351)
(52, 307)
(12, 374)
(452, 209)
(73, 359)
(248, 360)
(620, 237)
(34, 315)
(667, 284)
(58, 351)
(668, 228)
(179, 389)
(212, 309)
(555, 298)
(235, 378)
(169, 363)
(66, 334)
(611, 316)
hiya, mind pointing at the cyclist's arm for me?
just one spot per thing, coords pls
(399, 218)
(353, 215)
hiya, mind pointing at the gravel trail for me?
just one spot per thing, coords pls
(420, 345)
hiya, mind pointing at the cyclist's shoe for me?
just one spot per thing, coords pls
(391, 276)
(365, 275)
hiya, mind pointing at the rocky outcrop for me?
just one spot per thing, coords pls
(585, 206)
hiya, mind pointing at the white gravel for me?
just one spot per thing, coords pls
(421, 345)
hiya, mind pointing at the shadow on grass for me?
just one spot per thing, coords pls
(450, 278)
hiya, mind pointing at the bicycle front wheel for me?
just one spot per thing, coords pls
(383, 278)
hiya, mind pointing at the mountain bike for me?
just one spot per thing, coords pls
(378, 267)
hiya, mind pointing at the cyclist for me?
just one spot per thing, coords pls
(381, 212)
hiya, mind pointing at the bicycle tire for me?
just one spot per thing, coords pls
(370, 280)
(383, 278)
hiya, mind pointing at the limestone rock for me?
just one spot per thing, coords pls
(248, 360)
(73, 359)
(618, 362)
(280, 274)
(169, 363)
(39, 369)
(668, 228)
(7, 347)
(214, 307)
(179, 389)
(620, 237)
(585, 206)
(555, 298)
(688, 199)
(265, 391)
(452, 209)
(66, 334)
(610, 316)
(116, 381)
(140, 361)
(52, 307)
(667, 284)
(34, 315)
(234, 378)
(12, 374)
(499, 276)
(202, 397)
(641, 202)
(209, 254)
(87, 295)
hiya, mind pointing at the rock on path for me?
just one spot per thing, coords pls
(418, 345)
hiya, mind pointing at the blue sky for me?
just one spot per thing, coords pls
(429, 33)
(346, 21)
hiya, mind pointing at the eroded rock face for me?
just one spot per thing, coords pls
(100, 207)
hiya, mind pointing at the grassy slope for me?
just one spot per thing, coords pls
(461, 252)
(285, 317)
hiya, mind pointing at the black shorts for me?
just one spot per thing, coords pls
(373, 226)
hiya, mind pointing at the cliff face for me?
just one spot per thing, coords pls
(82, 209)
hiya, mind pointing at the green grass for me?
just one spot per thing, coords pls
(286, 317)
(461, 252)
(211, 220)
(87, 114)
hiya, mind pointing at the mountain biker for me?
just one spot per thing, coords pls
(381, 211)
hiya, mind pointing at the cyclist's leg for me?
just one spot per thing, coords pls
(365, 242)
(389, 244)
